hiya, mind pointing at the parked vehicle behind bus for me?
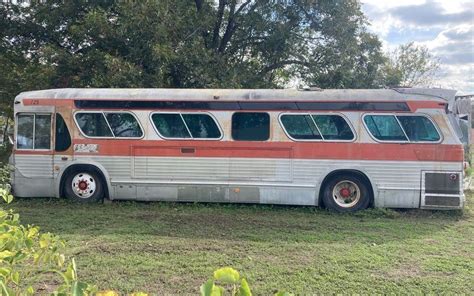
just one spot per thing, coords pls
(346, 150)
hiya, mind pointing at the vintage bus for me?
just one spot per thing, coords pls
(345, 150)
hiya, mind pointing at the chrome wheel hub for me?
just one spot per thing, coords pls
(346, 194)
(83, 185)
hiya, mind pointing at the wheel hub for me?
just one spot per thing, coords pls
(345, 192)
(83, 185)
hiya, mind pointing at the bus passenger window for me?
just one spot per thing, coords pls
(384, 128)
(300, 127)
(250, 126)
(333, 127)
(124, 125)
(202, 126)
(170, 125)
(63, 138)
(419, 128)
(93, 124)
(186, 125)
(33, 131)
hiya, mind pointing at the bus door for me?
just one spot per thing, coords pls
(62, 142)
(33, 154)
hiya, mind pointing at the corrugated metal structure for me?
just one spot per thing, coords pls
(462, 111)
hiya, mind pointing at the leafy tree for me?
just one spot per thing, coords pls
(205, 43)
(410, 65)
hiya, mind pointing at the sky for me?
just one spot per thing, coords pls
(446, 27)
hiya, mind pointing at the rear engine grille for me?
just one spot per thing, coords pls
(442, 183)
(442, 201)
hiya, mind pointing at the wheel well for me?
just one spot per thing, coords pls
(84, 167)
(345, 172)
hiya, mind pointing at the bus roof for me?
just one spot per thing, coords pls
(396, 94)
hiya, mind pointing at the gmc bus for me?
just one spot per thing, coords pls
(346, 150)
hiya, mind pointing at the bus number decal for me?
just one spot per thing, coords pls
(86, 148)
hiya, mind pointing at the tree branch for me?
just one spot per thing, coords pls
(198, 5)
(242, 7)
(230, 29)
(217, 26)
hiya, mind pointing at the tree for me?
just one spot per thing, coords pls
(200, 44)
(226, 43)
(410, 65)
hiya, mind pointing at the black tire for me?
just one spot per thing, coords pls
(94, 192)
(346, 200)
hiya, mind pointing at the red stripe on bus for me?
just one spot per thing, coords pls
(48, 102)
(415, 105)
(297, 150)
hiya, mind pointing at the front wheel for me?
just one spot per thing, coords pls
(83, 186)
(346, 193)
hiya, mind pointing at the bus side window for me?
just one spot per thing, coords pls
(124, 125)
(300, 127)
(333, 127)
(326, 127)
(419, 128)
(170, 125)
(33, 131)
(93, 124)
(63, 138)
(385, 128)
(250, 126)
(186, 126)
(202, 126)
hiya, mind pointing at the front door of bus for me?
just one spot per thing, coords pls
(63, 150)
(33, 156)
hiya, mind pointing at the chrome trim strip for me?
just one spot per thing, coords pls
(130, 181)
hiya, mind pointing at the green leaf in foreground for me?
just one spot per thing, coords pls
(244, 289)
(209, 289)
(227, 275)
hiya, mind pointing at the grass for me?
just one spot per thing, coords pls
(168, 248)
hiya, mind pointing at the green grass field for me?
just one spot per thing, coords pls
(168, 248)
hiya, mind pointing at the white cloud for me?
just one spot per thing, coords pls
(392, 3)
(459, 77)
(445, 27)
(453, 45)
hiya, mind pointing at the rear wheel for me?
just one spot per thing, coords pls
(84, 186)
(346, 193)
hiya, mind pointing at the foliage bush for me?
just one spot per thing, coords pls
(230, 280)
(25, 252)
